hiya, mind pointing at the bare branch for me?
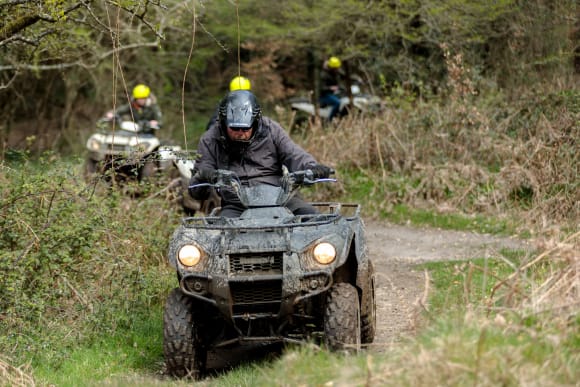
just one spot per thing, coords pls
(79, 63)
(10, 81)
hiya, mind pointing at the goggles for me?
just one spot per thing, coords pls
(240, 129)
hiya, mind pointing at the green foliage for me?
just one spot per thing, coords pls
(75, 70)
(74, 264)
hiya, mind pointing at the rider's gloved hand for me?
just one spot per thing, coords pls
(226, 177)
(206, 175)
(320, 171)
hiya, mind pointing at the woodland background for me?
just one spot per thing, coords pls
(64, 62)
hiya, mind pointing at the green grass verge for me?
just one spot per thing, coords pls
(385, 199)
(137, 348)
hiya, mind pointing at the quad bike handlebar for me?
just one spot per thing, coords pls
(222, 177)
(262, 194)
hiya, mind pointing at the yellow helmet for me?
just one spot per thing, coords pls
(334, 62)
(141, 91)
(240, 83)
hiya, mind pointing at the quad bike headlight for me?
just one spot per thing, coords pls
(324, 253)
(93, 145)
(189, 255)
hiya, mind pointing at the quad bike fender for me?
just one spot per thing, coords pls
(356, 266)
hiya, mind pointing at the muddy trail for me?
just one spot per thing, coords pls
(396, 251)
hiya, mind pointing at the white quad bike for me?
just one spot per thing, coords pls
(123, 151)
(362, 102)
(129, 151)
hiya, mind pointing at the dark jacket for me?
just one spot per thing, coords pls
(328, 79)
(258, 161)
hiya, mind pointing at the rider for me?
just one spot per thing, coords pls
(329, 85)
(252, 146)
(237, 83)
(142, 108)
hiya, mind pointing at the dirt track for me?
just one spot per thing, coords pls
(396, 250)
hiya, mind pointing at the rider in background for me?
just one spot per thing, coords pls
(255, 148)
(142, 108)
(237, 83)
(330, 77)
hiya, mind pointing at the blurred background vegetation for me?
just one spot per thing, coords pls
(479, 132)
(65, 62)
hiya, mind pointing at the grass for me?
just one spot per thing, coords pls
(137, 348)
(362, 188)
(458, 285)
(466, 339)
(449, 221)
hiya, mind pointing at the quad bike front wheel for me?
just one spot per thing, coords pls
(185, 353)
(342, 326)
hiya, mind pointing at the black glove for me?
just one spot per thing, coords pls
(225, 177)
(206, 175)
(320, 171)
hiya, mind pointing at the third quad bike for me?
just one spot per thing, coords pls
(268, 276)
(362, 102)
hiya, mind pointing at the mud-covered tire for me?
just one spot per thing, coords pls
(342, 326)
(185, 354)
(369, 310)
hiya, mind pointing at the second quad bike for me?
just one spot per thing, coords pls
(131, 151)
(268, 276)
(125, 150)
(185, 165)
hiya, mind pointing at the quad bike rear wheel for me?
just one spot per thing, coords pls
(185, 352)
(148, 171)
(342, 327)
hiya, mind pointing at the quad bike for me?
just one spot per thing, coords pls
(268, 276)
(132, 153)
(124, 151)
(362, 102)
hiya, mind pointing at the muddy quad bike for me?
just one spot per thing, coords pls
(268, 276)
(125, 151)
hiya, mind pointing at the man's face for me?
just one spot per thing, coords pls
(239, 134)
(141, 101)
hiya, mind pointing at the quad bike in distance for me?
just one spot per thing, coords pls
(268, 276)
(124, 150)
(304, 108)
